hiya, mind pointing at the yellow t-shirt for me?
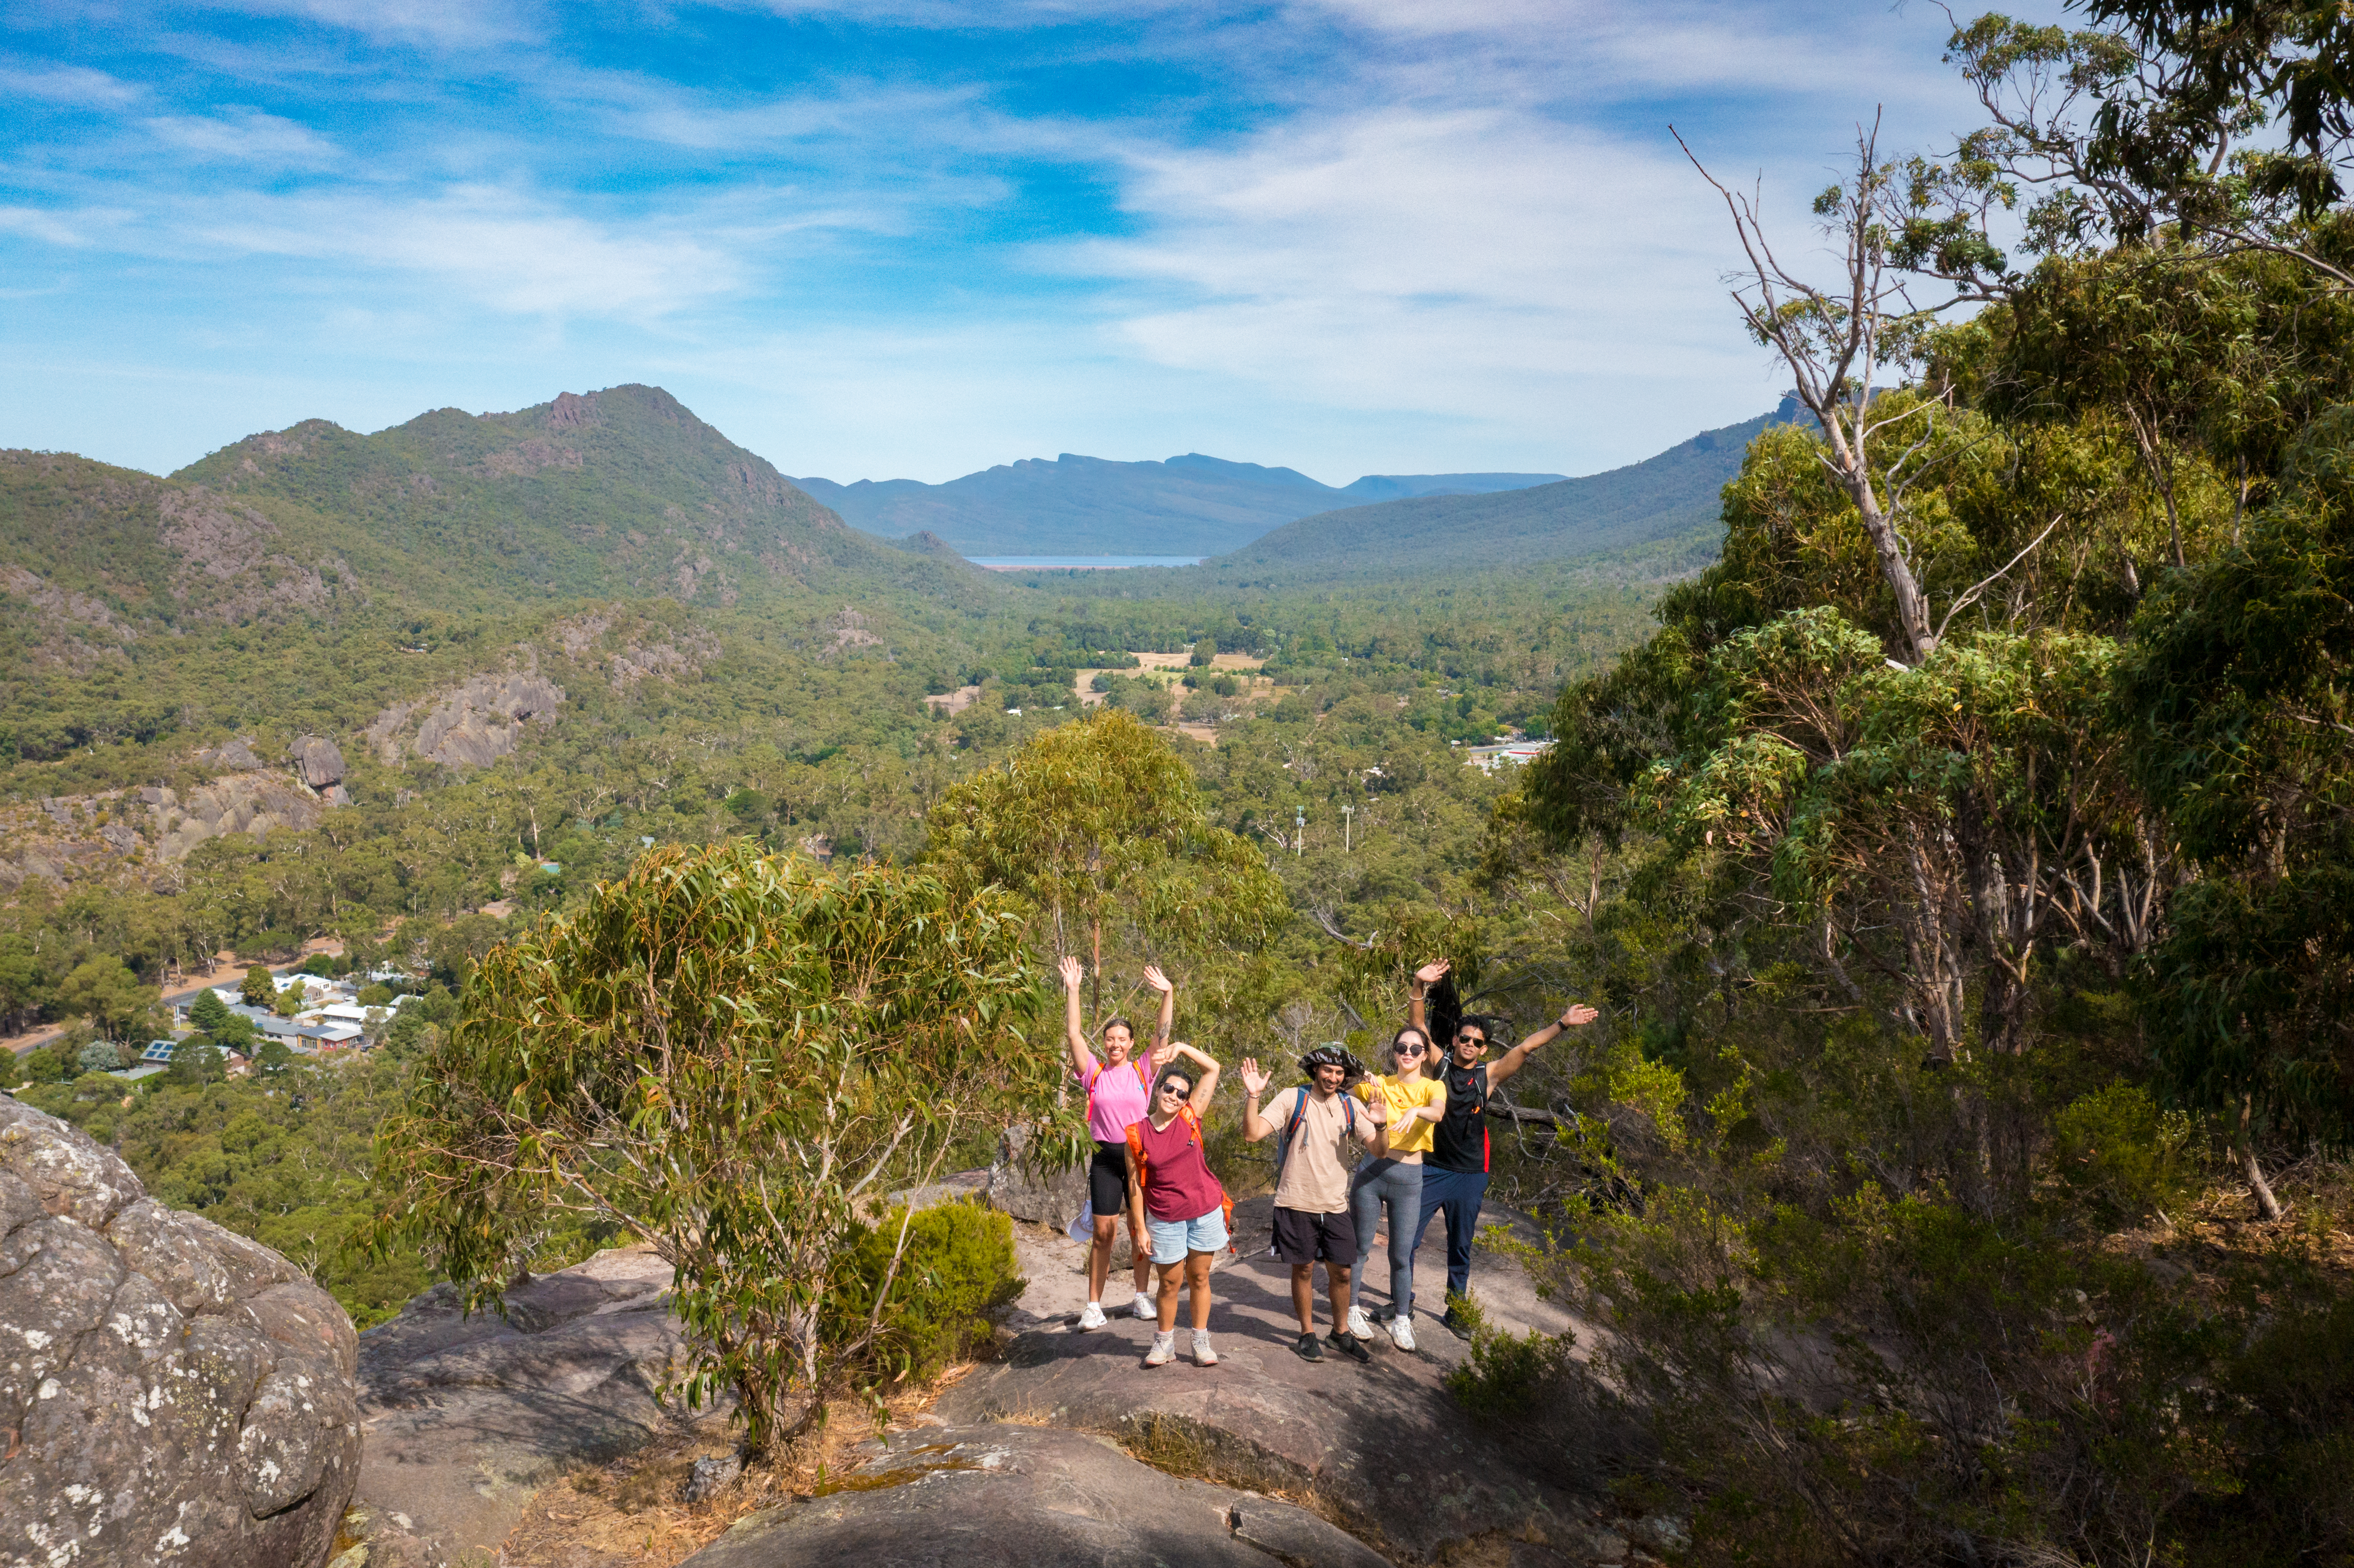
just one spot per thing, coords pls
(1404, 1100)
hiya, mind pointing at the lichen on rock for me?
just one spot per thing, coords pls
(171, 1393)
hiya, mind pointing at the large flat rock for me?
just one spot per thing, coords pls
(463, 1416)
(1027, 1497)
(1384, 1447)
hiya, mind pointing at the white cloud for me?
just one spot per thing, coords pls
(1489, 265)
(71, 84)
(510, 252)
(52, 227)
(245, 135)
(461, 23)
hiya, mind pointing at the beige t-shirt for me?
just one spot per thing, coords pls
(1315, 1170)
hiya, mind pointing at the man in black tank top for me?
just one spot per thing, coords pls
(1455, 1172)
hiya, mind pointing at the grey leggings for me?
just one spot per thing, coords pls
(1386, 1182)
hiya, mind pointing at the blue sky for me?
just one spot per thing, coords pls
(915, 240)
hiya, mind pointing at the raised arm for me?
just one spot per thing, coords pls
(1168, 1019)
(1083, 1060)
(1512, 1061)
(1136, 1231)
(1418, 988)
(1374, 1129)
(1255, 1126)
(1206, 1084)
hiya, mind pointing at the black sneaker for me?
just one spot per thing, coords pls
(1457, 1325)
(1352, 1347)
(1309, 1350)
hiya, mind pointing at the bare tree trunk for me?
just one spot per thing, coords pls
(2258, 1188)
(1854, 473)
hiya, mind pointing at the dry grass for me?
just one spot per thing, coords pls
(632, 1513)
(2203, 1246)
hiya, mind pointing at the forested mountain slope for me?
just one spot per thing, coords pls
(619, 491)
(1188, 505)
(1645, 503)
(318, 572)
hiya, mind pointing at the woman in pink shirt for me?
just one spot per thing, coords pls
(1117, 1088)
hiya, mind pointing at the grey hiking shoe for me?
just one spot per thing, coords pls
(1352, 1347)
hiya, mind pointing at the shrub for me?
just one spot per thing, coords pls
(1507, 1375)
(955, 1274)
(2123, 1155)
(100, 1056)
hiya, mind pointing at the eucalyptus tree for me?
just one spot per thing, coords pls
(728, 1054)
(1100, 823)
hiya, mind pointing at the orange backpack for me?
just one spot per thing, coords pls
(1136, 1163)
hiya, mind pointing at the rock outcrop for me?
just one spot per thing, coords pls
(472, 727)
(466, 1416)
(1385, 1448)
(1041, 1197)
(255, 803)
(1029, 1497)
(319, 762)
(171, 1393)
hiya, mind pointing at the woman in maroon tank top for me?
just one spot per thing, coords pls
(1174, 1204)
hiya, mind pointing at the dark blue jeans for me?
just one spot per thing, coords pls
(1456, 1194)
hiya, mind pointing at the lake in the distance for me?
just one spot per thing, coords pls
(1079, 563)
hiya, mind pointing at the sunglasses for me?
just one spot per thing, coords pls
(1179, 1090)
(1470, 1040)
(1404, 1049)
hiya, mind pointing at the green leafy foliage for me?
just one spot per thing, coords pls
(722, 1052)
(2125, 1158)
(920, 1289)
(1097, 819)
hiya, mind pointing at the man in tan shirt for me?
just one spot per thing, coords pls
(1313, 1129)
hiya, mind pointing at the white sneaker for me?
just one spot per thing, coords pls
(1357, 1327)
(1203, 1355)
(1091, 1315)
(1145, 1306)
(1164, 1351)
(1402, 1333)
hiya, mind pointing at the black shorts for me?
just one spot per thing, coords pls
(1303, 1238)
(1107, 1179)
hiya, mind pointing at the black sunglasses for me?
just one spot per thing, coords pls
(1471, 1039)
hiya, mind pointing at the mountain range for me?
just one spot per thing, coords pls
(118, 587)
(1660, 499)
(1189, 505)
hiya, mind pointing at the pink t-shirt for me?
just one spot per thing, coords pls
(1115, 1097)
(1177, 1180)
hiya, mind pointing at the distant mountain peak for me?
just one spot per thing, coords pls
(1189, 505)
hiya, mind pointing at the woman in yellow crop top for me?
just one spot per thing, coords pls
(1395, 1180)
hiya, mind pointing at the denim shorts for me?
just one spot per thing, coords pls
(1173, 1239)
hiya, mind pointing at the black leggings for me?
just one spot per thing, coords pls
(1107, 1179)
